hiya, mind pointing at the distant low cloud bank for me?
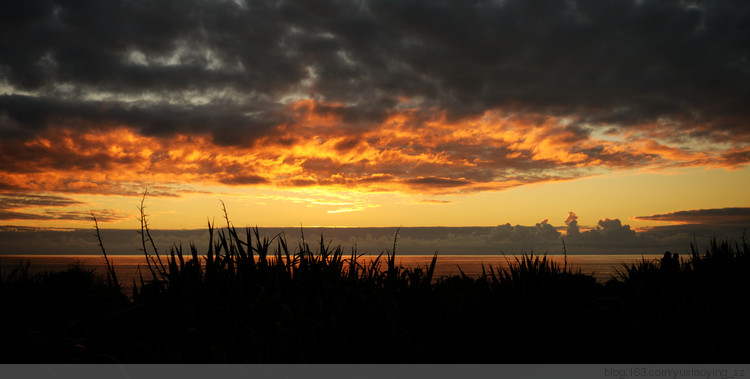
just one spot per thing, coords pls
(720, 216)
(608, 236)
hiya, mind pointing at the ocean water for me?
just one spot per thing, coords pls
(602, 266)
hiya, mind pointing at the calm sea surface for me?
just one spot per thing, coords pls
(602, 266)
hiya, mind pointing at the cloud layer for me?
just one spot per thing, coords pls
(47, 208)
(607, 237)
(413, 96)
(721, 216)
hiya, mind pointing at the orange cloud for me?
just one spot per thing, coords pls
(409, 152)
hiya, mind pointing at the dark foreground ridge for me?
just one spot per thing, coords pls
(253, 299)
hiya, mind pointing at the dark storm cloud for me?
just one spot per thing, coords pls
(25, 115)
(733, 216)
(621, 62)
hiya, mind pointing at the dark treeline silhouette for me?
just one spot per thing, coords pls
(255, 299)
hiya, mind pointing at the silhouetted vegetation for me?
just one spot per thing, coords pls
(253, 298)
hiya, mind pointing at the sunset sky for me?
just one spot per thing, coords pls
(375, 113)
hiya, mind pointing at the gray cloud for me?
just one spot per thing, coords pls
(608, 237)
(731, 216)
(572, 225)
(608, 234)
(144, 64)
